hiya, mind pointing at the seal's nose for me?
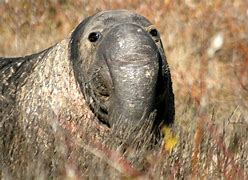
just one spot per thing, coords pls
(129, 42)
(133, 62)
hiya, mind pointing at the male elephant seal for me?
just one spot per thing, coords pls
(110, 74)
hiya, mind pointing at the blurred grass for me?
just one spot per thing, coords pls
(206, 43)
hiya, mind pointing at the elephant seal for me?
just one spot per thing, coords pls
(126, 69)
(110, 74)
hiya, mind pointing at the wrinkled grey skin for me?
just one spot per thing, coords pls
(128, 68)
(72, 91)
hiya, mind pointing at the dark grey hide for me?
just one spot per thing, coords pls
(127, 76)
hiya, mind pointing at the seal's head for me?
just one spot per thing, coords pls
(119, 62)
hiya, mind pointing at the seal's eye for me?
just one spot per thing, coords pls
(154, 32)
(94, 36)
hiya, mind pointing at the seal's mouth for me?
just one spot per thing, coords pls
(100, 99)
(129, 101)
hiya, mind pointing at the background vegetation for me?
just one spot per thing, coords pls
(206, 43)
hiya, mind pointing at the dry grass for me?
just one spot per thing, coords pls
(206, 44)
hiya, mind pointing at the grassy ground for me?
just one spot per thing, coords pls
(206, 44)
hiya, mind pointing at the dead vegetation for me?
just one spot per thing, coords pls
(207, 48)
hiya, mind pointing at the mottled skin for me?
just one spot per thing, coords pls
(81, 89)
